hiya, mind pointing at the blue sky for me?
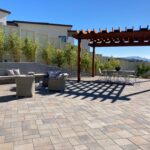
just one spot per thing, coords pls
(87, 14)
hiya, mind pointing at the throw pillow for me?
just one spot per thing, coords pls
(10, 72)
(16, 71)
(63, 75)
(53, 74)
(57, 73)
(60, 76)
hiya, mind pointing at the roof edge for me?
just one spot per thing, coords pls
(6, 11)
(40, 23)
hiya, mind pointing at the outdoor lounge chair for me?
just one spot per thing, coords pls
(25, 86)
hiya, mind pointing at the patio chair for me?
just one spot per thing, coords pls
(132, 76)
(25, 86)
(101, 74)
(127, 75)
(57, 83)
(108, 74)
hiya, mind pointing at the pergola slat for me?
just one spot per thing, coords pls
(120, 44)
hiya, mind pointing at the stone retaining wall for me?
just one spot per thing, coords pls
(26, 67)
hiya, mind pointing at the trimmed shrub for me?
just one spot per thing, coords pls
(47, 53)
(29, 49)
(1, 45)
(13, 45)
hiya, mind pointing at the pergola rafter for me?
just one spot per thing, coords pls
(113, 38)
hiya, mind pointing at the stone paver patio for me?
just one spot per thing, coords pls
(88, 115)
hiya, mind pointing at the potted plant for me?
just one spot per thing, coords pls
(117, 68)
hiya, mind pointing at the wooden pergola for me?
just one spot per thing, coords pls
(113, 38)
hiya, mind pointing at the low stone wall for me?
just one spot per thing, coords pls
(26, 67)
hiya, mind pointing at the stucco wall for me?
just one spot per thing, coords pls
(44, 33)
(84, 44)
(3, 18)
(50, 30)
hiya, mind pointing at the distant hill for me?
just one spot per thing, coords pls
(136, 58)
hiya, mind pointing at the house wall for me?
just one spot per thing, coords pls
(50, 30)
(45, 33)
(84, 45)
(41, 34)
(3, 18)
(48, 33)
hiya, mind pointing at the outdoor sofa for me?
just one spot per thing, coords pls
(39, 70)
(6, 77)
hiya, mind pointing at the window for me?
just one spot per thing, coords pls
(62, 39)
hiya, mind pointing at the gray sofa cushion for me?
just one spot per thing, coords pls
(10, 72)
(16, 71)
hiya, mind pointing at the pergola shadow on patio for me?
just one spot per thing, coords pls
(94, 90)
(85, 90)
(101, 91)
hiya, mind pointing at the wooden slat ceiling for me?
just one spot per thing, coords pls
(115, 37)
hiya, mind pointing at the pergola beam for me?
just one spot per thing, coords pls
(139, 34)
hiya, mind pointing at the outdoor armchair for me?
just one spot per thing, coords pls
(25, 86)
(57, 83)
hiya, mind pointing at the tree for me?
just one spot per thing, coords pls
(14, 45)
(1, 44)
(29, 49)
(85, 61)
(69, 54)
(47, 53)
(98, 64)
(112, 63)
(142, 69)
(58, 58)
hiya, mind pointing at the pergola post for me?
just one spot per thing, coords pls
(79, 60)
(93, 62)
